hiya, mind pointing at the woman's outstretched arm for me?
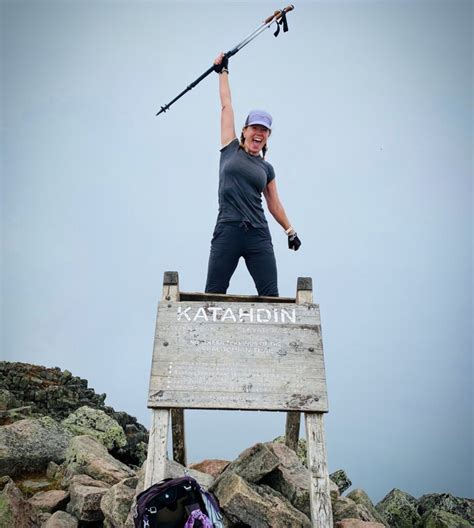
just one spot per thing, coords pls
(227, 112)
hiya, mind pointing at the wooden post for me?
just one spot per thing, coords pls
(320, 498)
(157, 447)
(171, 293)
(304, 294)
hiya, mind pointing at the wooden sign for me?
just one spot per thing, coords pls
(248, 356)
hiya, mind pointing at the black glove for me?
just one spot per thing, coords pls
(223, 66)
(294, 242)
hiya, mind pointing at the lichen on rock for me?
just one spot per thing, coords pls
(96, 423)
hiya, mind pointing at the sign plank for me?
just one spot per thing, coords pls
(248, 356)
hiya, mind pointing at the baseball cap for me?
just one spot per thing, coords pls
(259, 117)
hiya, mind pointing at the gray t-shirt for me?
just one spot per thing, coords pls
(242, 179)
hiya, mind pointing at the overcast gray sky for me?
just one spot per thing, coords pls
(372, 149)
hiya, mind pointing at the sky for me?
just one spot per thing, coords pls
(372, 150)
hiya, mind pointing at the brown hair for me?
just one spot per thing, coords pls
(242, 140)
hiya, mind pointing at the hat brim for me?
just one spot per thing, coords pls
(259, 122)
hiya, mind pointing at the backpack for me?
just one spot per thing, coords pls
(177, 503)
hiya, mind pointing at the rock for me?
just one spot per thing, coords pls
(211, 467)
(357, 523)
(87, 455)
(345, 508)
(117, 501)
(15, 511)
(85, 501)
(399, 509)
(442, 519)
(50, 501)
(28, 446)
(175, 470)
(34, 484)
(360, 497)
(256, 506)
(290, 477)
(94, 422)
(301, 450)
(135, 451)
(61, 519)
(252, 464)
(52, 470)
(7, 400)
(86, 480)
(447, 502)
(342, 481)
(49, 391)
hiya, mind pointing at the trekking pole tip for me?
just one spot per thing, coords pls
(163, 109)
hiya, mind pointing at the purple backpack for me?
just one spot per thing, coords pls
(176, 503)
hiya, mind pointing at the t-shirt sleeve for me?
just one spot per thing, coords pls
(270, 173)
(230, 146)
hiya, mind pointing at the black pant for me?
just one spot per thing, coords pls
(232, 240)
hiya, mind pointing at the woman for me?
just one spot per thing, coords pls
(241, 229)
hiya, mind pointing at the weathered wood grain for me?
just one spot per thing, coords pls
(221, 297)
(178, 434)
(304, 294)
(292, 430)
(171, 293)
(320, 501)
(157, 447)
(271, 362)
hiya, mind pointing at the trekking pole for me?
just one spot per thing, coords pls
(278, 16)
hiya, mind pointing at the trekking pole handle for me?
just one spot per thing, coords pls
(277, 14)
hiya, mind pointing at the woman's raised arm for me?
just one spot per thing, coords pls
(227, 112)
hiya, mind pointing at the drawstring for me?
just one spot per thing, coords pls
(245, 225)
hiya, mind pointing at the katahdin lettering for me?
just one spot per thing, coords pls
(218, 314)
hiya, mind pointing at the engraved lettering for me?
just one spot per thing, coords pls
(229, 314)
(292, 317)
(246, 313)
(200, 314)
(260, 318)
(214, 310)
(180, 313)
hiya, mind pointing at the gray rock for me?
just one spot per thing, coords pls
(360, 497)
(85, 502)
(290, 477)
(301, 450)
(345, 508)
(342, 481)
(252, 464)
(29, 445)
(117, 501)
(256, 506)
(95, 423)
(30, 486)
(7, 400)
(61, 519)
(442, 519)
(51, 470)
(87, 455)
(399, 509)
(175, 470)
(447, 502)
(85, 480)
(49, 501)
(15, 511)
